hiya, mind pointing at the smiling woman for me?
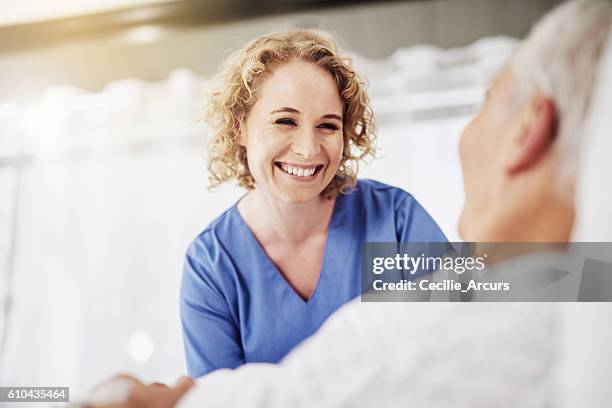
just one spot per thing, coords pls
(290, 121)
(293, 133)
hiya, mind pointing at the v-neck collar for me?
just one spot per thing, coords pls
(265, 259)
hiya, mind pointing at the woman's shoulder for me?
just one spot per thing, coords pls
(215, 235)
(413, 222)
(372, 190)
(378, 186)
(210, 257)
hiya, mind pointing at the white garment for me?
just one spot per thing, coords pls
(409, 354)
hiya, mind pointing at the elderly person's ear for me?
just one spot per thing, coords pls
(535, 134)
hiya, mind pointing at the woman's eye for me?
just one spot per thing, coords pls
(286, 122)
(329, 126)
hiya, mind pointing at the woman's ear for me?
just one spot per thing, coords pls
(535, 136)
(241, 138)
(242, 133)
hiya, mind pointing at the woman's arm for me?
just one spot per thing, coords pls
(211, 337)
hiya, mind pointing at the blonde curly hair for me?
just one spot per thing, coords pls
(238, 79)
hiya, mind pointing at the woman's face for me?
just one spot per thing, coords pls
(293, 134)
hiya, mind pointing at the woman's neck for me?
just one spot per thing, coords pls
(271, 219)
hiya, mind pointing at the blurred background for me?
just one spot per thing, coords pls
(102, 171)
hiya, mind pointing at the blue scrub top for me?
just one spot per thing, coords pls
(237, 308)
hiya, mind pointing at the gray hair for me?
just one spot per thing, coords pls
(560, 59)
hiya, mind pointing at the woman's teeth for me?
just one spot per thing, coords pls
(298, 171)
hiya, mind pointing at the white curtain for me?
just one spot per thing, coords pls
(116, 189)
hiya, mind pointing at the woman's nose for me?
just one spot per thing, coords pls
(305, 144)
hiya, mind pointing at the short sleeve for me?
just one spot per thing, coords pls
(211, 337)
(414, 224)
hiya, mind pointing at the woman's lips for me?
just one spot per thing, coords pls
(304, 172)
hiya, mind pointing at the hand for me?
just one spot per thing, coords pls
(139, 395)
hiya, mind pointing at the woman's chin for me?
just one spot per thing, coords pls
(291, 190)
(299, 197)
(297, 192)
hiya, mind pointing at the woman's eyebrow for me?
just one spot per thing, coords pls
(293, 110)
(285, 109)
(332, 116)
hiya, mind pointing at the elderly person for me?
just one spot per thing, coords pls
(289, 121)
(438, 355)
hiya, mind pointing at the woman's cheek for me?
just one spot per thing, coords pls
(339, 150)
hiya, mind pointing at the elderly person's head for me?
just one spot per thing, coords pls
(519, 154)
(289, 107)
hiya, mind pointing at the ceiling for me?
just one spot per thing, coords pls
(149, 39)
(31, 11)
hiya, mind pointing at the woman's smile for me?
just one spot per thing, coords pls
(299, 172)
